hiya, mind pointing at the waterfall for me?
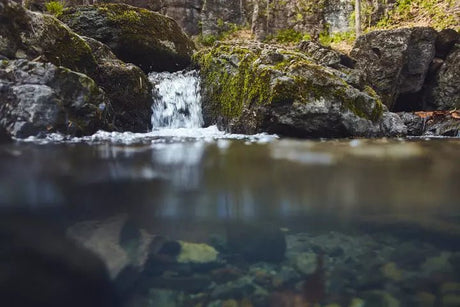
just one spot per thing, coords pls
(177, 100)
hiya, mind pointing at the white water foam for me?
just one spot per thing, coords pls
(178, 100)
(176, 117)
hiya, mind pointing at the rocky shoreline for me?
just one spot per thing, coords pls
(70, 78)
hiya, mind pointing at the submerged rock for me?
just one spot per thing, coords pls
(148, 39)
(254, 88)
(396, 62)
(4, 136)
(41, 97)
(256, 243)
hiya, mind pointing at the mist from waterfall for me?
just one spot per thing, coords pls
(177, 100)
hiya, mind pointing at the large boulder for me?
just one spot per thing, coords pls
(40, 37)
(396, 62)
(41, 97)
(126, 85)
(254, 88)
(30, 35)
(150, 40)
(445, 93)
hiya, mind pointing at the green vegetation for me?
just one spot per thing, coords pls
(439, 14)
(327, 39)
(225, 30)
(54, 7)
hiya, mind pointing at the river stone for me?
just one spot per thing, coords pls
(251, 88)
(325, 55)
(150, 40)
(40, 97)
(41, 266)
(396, 61)
(445, 94)
(256, 242)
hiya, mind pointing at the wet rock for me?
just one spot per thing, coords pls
(41, 97)
(445, 93)
(306, 263)
(127, 87)
(150, 40)
(425, 299)
(288, 96)
(238, 289)
(4, 136)
(395, 62)
(257, 243)
(380, 299)
(41, 266)
(415, 124)
(196, 253)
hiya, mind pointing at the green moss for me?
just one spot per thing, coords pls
(234, 78)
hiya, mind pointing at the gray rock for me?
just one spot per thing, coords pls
(445, 93)
(325, 55)
(445, 41)
(127, 87)
(415, 124)
(4, 136)
(283, 92)
(37, 97)
(150, 40)
(395, 62)
(41, 37)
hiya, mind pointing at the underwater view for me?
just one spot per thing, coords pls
(192, 216)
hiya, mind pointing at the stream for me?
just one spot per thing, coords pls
(350, 222)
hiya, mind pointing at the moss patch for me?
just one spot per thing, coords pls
(237, 77)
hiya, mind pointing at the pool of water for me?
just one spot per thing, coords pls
(203, 218)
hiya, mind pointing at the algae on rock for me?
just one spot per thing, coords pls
(253, 88)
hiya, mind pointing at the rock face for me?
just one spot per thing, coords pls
(396, 62)
(445, 94)
(127, 86)
(152, 41)
(34, 36)
(40, 97)
(217, 14)
(249, 89)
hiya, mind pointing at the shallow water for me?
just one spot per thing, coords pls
(189, 216)
(342, 193)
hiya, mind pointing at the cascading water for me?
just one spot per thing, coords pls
(178, 101)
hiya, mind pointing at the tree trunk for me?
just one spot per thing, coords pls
(358, 17)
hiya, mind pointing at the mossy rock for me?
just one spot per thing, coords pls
(150, 40)
(253, 88)
(39, 36)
